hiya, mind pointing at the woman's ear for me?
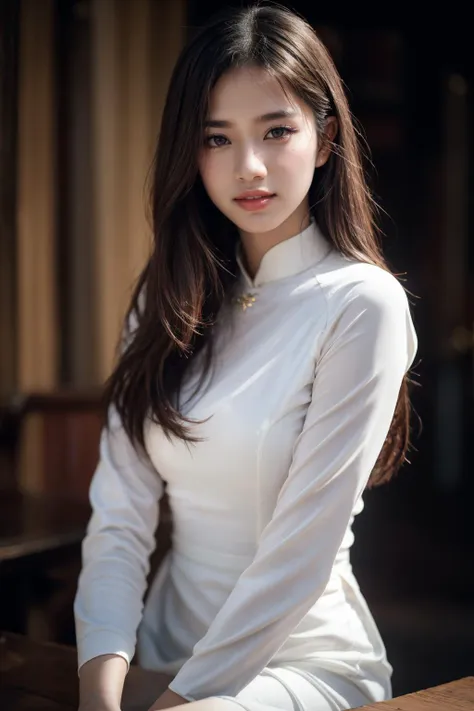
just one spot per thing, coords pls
(330, 133)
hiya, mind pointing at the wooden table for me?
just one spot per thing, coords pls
(38, 676)
(43, 677)
(455, 696)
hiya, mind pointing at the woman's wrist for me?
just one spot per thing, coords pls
(98, 702)
(98, 706)
(101, 681)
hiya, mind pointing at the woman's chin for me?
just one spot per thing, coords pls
(257, 221)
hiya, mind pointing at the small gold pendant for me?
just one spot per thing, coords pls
(245, 300)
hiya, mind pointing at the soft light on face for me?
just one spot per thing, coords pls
(258, 138)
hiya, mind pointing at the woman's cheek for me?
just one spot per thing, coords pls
(213, 169)
(301, 161)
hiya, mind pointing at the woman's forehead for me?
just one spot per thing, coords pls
(250, 93)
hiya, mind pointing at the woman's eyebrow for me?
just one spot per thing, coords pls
(272, 116)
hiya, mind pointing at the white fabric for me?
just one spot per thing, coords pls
(300, 401)
(299, 688)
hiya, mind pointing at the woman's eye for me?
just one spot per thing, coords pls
(280, 132)
(215, 141)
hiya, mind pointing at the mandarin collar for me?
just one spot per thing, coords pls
(287, 258)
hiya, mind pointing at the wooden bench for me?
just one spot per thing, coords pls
(39, 676)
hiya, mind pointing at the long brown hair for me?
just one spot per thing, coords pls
(192, 266)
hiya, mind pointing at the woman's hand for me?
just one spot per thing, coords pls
(168, 700)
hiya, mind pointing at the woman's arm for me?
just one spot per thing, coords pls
(124, 494)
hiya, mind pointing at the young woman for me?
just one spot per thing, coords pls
(263, 378)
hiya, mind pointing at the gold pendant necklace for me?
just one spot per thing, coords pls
(245, 300)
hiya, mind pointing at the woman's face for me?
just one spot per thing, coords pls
(259, 139)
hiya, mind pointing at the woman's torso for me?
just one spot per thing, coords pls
(223, 490)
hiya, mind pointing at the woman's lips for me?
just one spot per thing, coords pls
(252, 204)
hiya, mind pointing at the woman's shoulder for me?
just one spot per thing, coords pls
(369, 299)
(347, 281)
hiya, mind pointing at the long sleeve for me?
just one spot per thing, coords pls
(368, 346)
(124, 495)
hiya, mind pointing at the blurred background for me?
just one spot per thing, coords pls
(82, 87)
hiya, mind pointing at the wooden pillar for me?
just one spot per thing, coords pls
(8, 135)
(36, 201)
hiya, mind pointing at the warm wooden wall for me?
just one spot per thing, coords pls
(132, 67)
(119, 90)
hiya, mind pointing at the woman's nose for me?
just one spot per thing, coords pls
(249, 166)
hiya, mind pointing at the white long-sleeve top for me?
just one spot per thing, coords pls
(299, 403)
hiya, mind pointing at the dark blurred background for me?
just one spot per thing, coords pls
(82, 86)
